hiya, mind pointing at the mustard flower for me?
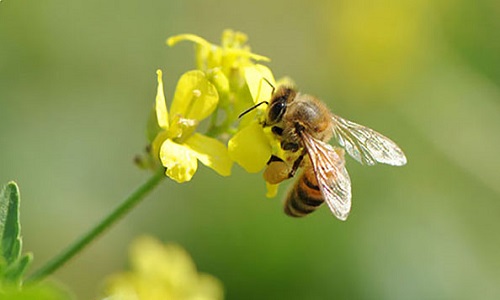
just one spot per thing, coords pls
(231, 72)
(162, 272)
(226, 66)
(242, 83)
(177, 144)
(232, 54)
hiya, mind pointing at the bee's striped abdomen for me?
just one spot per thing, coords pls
(305, 197)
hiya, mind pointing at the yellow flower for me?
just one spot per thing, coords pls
(229, 70)
(177, 144)
(225, 66)
(232, 69)
(162, 272)
(234, 53)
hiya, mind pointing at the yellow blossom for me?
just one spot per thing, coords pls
(177, 144)
(225, 66)
(232, 54)
(162, 272)
(239, 82)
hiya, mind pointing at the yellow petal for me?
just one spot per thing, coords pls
(234, 43)
(233, 39)
(179, 160)
(250, 148)
(195, 97)
(205, 51)
(157, 142)
(220, 81)
(247, 54)
(243, 102)
(171, 41)
(161, 106)
(260, 89)
(272, 190)
(209, 288)
(211, 153)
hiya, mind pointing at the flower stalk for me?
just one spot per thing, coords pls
(130, 202)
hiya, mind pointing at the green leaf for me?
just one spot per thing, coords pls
(10, 240)
(16, 270)
(12, 265)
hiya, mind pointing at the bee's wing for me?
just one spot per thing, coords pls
(366, 145)
(332, 177)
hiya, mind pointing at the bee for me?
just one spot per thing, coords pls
(304, 126)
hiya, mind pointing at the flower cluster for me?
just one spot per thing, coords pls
(228, 80)
(162, 272)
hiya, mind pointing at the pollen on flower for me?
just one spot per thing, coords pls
(187, 122)
(196, 93)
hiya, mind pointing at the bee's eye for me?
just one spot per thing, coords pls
(277, 110)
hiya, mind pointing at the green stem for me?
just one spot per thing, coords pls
(132, 200)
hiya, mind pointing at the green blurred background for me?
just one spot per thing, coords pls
(77, 82)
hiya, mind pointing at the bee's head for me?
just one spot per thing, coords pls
(277, 107)
(283, 96)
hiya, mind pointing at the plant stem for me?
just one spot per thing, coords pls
(131, 201)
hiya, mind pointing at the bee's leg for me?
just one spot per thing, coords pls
(274, 158)
(295, 147)
(277, 130)
(276, 171)
(292, 147)
(296, 164)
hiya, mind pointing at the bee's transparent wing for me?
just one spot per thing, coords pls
(333, 180)
(366, 145)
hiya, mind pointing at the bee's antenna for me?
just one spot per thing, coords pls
(258, 104)
(252, 108)
(270, 84)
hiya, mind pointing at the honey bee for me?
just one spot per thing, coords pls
(304, 126)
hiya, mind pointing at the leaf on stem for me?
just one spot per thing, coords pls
(12, 264)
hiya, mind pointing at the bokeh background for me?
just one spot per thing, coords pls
(77, 82)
